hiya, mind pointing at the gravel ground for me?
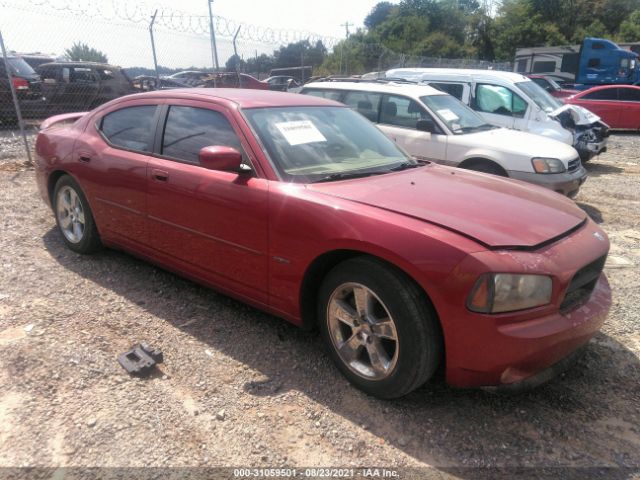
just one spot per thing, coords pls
(241, 388)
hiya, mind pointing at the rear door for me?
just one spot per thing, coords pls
(629, 99)
(113, 166)
(398, 118)
(213, 223)
(604, 103)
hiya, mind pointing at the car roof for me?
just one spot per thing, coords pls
(78, 64)
(604, 87)
(242, 97)
(459, 73)
(391, 87)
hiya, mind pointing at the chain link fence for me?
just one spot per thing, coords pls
(68, 56)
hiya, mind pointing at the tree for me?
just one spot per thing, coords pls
(234, 63)
(260, 64)
(81, 52)
(630, 29)
(378, 14)
(295, 54)
(519, 25)
(595, 29)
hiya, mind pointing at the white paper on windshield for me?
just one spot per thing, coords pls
(299, 132)
(448, 115)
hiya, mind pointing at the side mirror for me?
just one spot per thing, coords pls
(426, 126)
(227, 159)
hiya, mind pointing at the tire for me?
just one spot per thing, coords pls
(74, 218)
(404, 363)
(486, 167)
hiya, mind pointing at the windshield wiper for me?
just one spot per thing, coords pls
(346, 175)
(405, 166)
(478, 128)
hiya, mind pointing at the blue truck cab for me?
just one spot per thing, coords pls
(602, 62)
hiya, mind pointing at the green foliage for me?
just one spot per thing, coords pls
(519, 25)
(630, 29)
(379, 13)
(461, 29)
(234, 64)
(81, 52)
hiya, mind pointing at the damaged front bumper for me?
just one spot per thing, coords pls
(590, 133)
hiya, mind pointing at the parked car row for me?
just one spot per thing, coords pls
(432, 125)
(514, 101)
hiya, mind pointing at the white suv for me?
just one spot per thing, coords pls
(432, 125)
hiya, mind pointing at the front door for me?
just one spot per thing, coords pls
(213, 222)
(398, 119)
(500, 106)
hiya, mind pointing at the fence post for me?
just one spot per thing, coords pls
(16, 104)
(153, 48)
(235, 52)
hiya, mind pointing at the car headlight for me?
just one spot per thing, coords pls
(547, 165)
(506, 292)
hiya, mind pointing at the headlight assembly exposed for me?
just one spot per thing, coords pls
(505, 292)
(547, 165)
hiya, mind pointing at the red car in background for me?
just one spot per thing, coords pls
(617, 105)
(300, 206)
(552, 86)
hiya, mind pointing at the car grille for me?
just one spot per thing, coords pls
(582, 285)
(574, 165)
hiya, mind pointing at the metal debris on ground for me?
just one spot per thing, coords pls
(140, 360)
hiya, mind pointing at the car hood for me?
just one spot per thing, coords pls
(496, 212)
(580, 115)
(519, 143)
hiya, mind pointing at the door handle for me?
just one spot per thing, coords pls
(84, 157)
(159, 175)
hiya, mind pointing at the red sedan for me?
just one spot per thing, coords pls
(301, 207)
(617, 105)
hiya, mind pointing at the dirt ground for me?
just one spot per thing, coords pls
(241, 388)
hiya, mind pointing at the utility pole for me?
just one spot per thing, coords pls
(212, 34)
(346, 26)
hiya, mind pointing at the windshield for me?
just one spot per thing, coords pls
(309, 144)
(20, 67)
(540, 96)
(456, 115)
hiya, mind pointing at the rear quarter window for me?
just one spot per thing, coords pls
(130, 128)
(330, 94)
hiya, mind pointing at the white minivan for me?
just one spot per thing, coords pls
(431, 125)
(514, 101)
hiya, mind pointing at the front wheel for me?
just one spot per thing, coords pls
(379, 328)
(74, 218)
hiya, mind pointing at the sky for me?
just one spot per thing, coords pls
(181, 36)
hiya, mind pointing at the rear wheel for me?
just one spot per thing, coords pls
(379, 328)
(74, 218)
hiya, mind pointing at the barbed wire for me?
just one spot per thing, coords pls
(172, 19)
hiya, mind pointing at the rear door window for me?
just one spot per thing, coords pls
(189, 129)
(365, 103)
(499, 100)
(130, 128)
(628, 94)
(330, 94)
(604, 94)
